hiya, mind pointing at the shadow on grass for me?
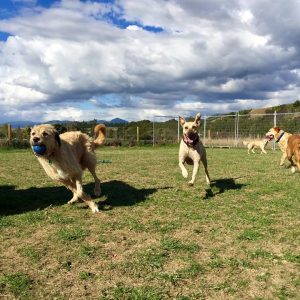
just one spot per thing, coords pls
(116, 193)
(219, 186)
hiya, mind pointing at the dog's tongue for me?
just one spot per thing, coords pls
(189, 140)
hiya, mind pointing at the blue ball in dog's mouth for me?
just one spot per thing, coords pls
(39, 149)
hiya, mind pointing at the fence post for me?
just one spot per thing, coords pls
(237, 128)
(275, 124)
(9, 132)
(153, 134)
(178, 130)
(204, 131)
(137, 134)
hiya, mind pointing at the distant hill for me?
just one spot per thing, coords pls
(284, 108)
(118, 121)
(22, 124)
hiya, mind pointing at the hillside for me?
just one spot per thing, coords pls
(217, 127)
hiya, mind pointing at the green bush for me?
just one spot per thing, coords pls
(15, 143)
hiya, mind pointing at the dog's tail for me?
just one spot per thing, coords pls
(99, 135)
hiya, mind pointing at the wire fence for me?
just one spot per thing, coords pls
(215, 131)
(232, 130)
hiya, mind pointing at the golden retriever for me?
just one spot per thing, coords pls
(67, 155)
(191, 150)
(293, 151)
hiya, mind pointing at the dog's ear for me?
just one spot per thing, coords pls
(57, 138)
(181, 121)
(277, 129)
(198, 119)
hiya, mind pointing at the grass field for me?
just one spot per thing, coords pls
(155, 237)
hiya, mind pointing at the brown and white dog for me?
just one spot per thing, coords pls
(281, 138)
(292, 150)
(260, 144)
(191, 150)
(67, 155)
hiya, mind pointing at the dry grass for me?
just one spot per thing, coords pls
(155, 237)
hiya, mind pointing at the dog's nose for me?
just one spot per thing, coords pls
(36, 139)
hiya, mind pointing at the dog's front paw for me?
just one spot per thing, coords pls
(185, 173)
(73, 200)
(191, 183)
(95, 208)
(293, 169)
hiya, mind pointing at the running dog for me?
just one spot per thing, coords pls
(191, 150)
(281, 138)
(65, 157)
(260, 144)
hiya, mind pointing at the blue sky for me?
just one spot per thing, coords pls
(12, 8)
(81, 60)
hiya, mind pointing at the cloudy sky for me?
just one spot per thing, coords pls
(133, 59)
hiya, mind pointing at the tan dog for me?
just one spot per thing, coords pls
(260, 144)
(191, 150)
(67, 155)
(293, 151)
(281, 138)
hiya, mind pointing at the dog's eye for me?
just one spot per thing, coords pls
(32, 133)
(194, 127)
(186, 127)
(45, 134)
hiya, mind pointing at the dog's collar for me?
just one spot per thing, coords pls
(280, 137)
(189, 142)
(46, 157)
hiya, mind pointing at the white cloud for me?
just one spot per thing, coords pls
(133, 27)
(246, 16)
(209, 55)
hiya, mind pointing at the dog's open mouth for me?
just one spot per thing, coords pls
(190, 138)
(270, 137)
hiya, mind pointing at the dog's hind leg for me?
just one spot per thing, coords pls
(97, 188)
(297, 156)
(90, 162)
(204, 161)
(290, 158)
(85, 197)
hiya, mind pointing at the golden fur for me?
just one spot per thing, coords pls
(260, 144)
(194, 153)
(293, 151)
(275, 133)
(67, 155)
